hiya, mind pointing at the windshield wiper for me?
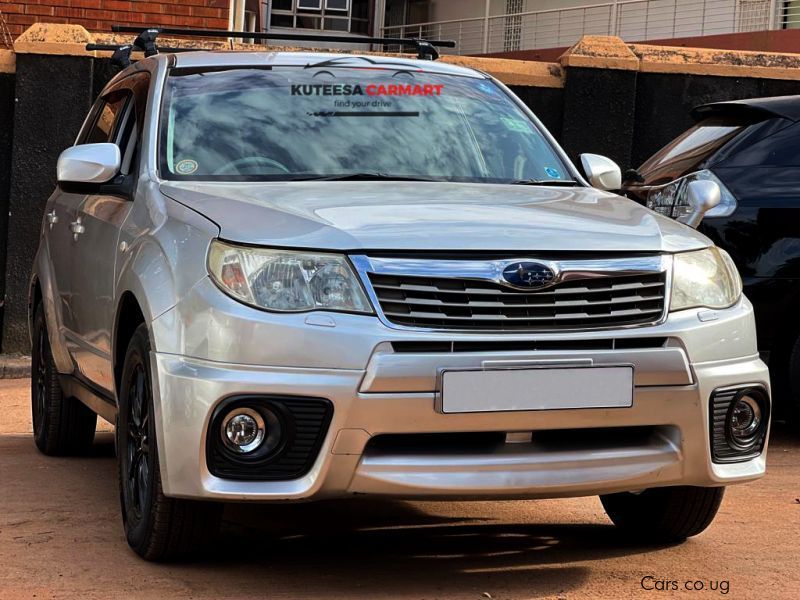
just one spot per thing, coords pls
(553, 182)
(376, 176)
(363, 177)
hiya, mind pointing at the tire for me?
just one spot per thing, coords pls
(62, 426)
(664, 515)
(157, 528)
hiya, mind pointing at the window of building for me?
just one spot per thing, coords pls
(327, 15)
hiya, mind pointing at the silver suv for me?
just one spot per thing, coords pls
(296, 276)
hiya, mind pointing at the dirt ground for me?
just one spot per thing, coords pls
(61, 537)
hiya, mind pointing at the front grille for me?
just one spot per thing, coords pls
(609, 300)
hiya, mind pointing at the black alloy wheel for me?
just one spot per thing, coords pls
(139, 460)
(61, 425)
(157, 527)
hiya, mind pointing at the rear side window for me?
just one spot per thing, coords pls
(692, 149)
(776, 147)
(104, 128)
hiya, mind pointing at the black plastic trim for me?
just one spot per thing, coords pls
(304, 422)
(723, 449)
(98, 400)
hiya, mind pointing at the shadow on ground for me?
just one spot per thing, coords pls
(399, 548)
(59, 508)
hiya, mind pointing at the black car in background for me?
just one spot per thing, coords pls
(751, 148)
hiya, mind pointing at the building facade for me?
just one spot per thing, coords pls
(98, 15)
(356, 17)
(495, 26)
(477, 26)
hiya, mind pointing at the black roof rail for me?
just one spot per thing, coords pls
(146, 41)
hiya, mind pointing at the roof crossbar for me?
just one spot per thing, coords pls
(426, 49)
(146, 41)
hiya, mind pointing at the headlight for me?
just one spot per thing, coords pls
(672, 199)
(704, 278)
(287, 281)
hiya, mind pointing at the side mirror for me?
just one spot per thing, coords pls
(602, 173)
(703, 196)
(89, 163)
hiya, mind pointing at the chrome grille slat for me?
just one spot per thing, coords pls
(471, 294)
(491, 317)
(555, 304)
(512, 292)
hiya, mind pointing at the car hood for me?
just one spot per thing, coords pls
(395, 215)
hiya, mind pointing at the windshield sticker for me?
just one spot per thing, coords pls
(364, 113)
(516, 125)
(364, 99)
(186, 167)
(373, 89)
(551, 172)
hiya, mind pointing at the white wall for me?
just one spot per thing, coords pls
(635, 20)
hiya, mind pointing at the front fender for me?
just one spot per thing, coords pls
(166, 255)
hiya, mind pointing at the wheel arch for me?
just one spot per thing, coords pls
(42, 291)
(128, 318)
(34, 300)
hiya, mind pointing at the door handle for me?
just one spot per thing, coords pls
(52, 218)
(77, 228)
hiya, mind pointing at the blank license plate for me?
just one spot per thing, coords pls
(537, 389)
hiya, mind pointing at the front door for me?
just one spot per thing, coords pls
(63, 224)
(61, 211)
(95, 250)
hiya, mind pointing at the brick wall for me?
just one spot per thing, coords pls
(98, 15)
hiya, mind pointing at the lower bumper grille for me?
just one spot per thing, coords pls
(455, 303)
(494, 442)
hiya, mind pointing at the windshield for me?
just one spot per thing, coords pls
(290, 123)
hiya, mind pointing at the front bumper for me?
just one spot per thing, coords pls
(388, 393)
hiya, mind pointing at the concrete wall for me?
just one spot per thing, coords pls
(603, 96)
(663, 102)
(7, 85)
(53, 95)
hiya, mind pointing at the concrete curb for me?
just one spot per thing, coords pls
(15, 366)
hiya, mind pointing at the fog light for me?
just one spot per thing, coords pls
(243, 430)
(745, 420)
(745, 417)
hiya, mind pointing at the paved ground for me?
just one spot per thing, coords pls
(60, 536)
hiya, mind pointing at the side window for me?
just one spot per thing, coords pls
(116, 118)
(105, 127)
(127, 137)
